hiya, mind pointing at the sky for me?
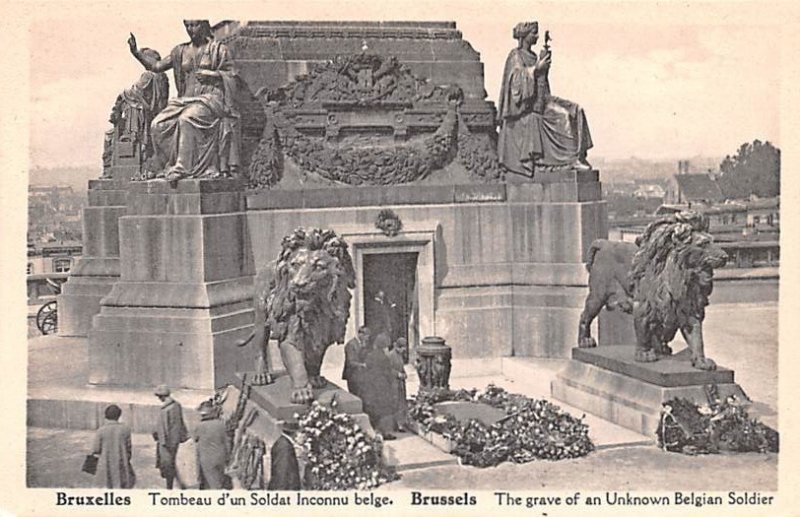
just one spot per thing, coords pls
(659, 80)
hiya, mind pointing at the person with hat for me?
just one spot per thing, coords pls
(355, 353)
(169, 434)
(284, 468)
(213, 449)
(112, 444)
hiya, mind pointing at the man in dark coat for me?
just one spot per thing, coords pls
(112, 443)
(169, 434)
(284, 468)
(213, 449)
(380, 395)
(355, 354)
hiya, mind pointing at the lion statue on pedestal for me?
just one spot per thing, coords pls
(664, 281)
(303, 302)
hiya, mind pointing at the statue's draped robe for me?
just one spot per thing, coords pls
(133, 112)
(197, 134)
(144, 99)
(534, 125)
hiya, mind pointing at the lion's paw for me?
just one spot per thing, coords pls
(663, 349)
(318, 382)
(302, 395)
(704, 363)
(261, 379)
(645, 356)
(587, 342)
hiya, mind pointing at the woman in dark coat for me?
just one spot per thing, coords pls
(112, 444)
(380, 394)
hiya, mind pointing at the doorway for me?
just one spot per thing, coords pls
(391, 298)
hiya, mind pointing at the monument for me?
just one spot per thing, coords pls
(664, 281)
(183, 296)
(380, 132)
(127, 148)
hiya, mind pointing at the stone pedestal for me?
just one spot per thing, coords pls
(275, 409)
(615, 328)
(93, 275)
(184, 296)
(607, 382)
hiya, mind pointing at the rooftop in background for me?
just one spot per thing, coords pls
(698, 187)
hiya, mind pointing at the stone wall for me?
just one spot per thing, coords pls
(508, 275)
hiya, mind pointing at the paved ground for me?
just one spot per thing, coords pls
(739, 336)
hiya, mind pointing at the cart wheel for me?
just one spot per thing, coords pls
(47, 318)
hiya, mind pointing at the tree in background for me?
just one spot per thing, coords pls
(756, 169)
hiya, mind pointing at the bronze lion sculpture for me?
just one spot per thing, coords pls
(664, 281)
(303, 302)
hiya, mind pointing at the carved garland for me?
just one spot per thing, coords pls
(339, 81)
(403, 163)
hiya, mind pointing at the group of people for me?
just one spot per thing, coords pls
(113, 449)
(374, 371)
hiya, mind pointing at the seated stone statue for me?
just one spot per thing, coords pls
(132, 114)
(197, 134)
(537, 129)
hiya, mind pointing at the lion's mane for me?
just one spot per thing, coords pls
(671, 273)
(311, 321)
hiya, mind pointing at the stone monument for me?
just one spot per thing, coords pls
(664, 281)
(126, 151)
(183, 297)
(349, 122)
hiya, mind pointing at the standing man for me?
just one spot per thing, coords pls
(355, 356)
(112, 444)
(213, 449)
(169, 434)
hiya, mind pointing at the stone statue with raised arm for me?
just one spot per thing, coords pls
(197, 135)
(538, 131)
(131, 115)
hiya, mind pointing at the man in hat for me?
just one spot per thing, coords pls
(169, 434)
(355, 353)
(213, 449)
(112, 444)
(284, 468)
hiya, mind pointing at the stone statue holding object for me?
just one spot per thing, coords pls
(197, 135)
(537, 130)
(131, 115)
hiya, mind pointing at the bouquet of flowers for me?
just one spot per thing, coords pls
(720, 425)
(532, 429)
(338, 453)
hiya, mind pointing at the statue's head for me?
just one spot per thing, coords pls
(151, 53)
(198, 30)
(526, 31)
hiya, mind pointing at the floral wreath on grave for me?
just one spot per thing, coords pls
(348, 84)
(531, 430)
(338, 453)
(720, 425)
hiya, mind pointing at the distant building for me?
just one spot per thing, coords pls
(53, 257)
(763, 213)
(650, 190)
(693, 189)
